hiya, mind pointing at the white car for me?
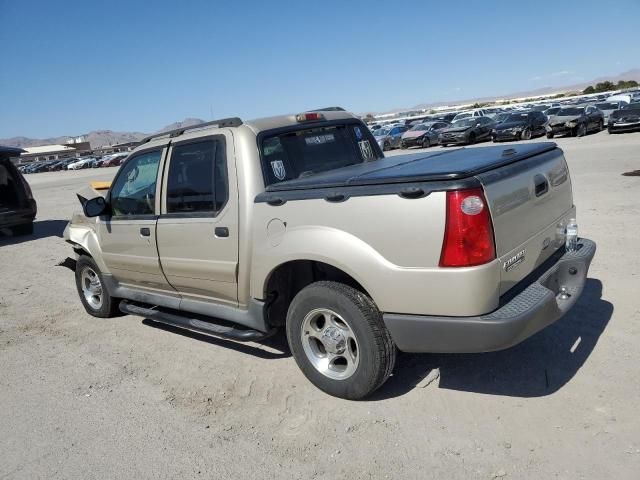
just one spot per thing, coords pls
(470, 113)
(81, 163)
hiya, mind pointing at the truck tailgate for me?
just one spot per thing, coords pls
(530, 203)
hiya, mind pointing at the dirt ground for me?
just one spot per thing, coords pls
(83, 398)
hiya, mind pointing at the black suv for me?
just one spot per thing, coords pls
(17, 206)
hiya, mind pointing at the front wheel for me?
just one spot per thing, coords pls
(426, 143)
(549, 134)
(386, 146)
(94, 296)
(581, 130)
(600, 125)
(526, 134)
(339, 341)
(472, 138)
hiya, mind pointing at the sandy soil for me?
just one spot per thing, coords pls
(83, 398)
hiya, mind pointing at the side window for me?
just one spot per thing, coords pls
(197, 178)
(134, 191)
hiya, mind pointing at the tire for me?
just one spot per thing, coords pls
(89, 280)
(472, 138)
(581, 130)
(600, 126)
(426, 143)
(346, 325)
(386, 146)
(526, 134)
(403, 146)
(549, 134)
(25, 229)
(610, 131)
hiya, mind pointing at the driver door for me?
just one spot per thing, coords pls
(128, 235)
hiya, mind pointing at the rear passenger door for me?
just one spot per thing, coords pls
(198, 225)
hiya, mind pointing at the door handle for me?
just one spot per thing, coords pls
(221, 232)
(145, 231)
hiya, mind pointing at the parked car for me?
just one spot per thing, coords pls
(280, 236)
(470, 113)
(621, 97)
(552, 111)
(575, 121)
(501, 117)
(423, 134)
(80, 163)
(467, 131)
(17, 205)
(520, 126)
(607, 107)
(390, 137)
(114, 160)
(626, 119)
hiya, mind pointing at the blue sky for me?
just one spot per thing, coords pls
(69, 67)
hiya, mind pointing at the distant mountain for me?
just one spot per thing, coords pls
(97, 138)
(187, 122)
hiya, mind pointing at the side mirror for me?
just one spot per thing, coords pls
(94, 207)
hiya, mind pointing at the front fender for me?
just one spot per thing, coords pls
(81, 233)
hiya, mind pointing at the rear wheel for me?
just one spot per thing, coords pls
(25, 229)
(94, 296)
(339, 341)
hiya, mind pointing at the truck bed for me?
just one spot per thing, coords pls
(454, 164)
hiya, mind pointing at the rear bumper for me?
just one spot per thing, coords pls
(536, 306)
(18, 217)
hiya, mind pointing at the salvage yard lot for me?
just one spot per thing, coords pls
(121, 398)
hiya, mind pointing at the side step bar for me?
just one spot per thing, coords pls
(194, 324)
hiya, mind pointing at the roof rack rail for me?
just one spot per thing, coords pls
(223, 122)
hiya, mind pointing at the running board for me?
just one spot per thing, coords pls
(194, 324)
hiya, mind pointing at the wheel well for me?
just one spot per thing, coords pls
(289, 278)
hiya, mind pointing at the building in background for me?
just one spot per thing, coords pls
(55, 152)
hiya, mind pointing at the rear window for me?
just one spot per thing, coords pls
(306, 152)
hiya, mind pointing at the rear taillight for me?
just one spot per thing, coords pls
(27, 188)
(468, 234)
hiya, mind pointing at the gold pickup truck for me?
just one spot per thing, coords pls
(238, 228)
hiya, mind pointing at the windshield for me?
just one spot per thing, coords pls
(566, 112)
(305, 152)
(517, 117)
(421, 127)
(464, 122)
(381, 132)
(607, 106)
(460, 116)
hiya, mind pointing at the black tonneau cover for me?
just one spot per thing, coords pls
(440, 165)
